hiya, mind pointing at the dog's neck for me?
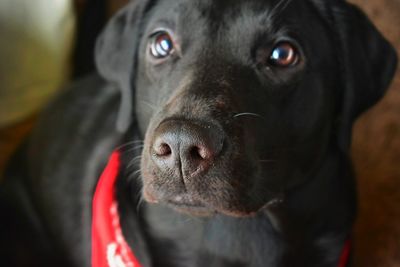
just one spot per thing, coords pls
(325, 200)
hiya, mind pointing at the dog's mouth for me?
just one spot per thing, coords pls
(189, 206)
(185, 203)
(200, 209)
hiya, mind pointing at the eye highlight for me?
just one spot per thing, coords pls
(284, 55)
(161, 45)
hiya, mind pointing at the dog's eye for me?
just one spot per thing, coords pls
(284, 55)
(161, 45)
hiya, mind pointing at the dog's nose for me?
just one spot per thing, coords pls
(190, 147)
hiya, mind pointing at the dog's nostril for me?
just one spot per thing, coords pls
(200, 153)
(195, 153)
(163, 150)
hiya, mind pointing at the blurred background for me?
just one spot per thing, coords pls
(46, 43)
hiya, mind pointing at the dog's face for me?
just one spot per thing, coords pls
(238, 101)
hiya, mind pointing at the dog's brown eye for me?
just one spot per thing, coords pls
(284, 55)
(161, 45)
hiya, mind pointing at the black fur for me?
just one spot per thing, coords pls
(280, 193)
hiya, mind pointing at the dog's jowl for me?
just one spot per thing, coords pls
(230, 123)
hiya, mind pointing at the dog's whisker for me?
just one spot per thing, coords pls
(133, 174)
(284, 5)
(136, 173)
(250, 114)
(136, 158)
(134, 148)
(132, 171)
(140, 201)
(129, 144)
(134, 151)
(151, 105)
(134, 161)
(279, 8)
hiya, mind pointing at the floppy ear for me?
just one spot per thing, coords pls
(115, 55)
(368, 66)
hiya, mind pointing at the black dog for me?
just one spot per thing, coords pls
(245, 109)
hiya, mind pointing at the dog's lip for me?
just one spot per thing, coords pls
(189, 206)
(199, 209)
(185, 201)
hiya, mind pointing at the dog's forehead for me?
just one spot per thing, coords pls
(223, 11)
(244, 18)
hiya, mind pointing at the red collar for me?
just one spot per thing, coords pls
(109, 248)
(345, 257)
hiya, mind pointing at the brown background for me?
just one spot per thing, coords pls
(376, 154)
(375, 150)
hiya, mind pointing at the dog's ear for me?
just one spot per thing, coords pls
(368, 65)
(115, 55)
